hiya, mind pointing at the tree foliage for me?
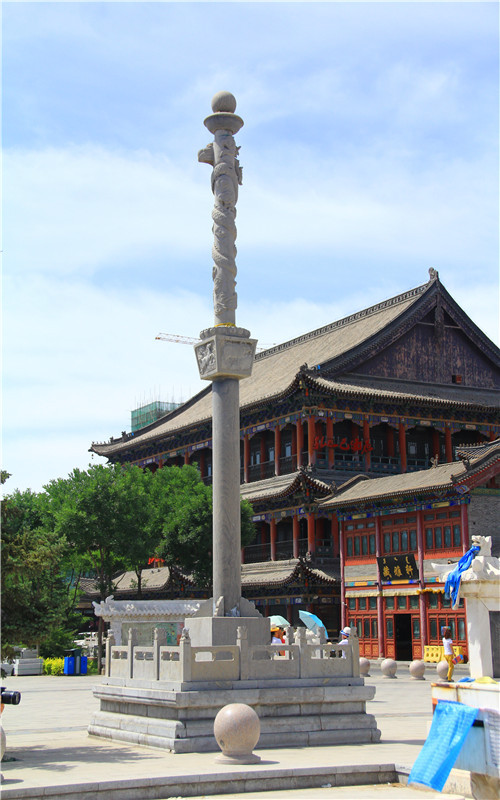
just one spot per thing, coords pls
(183, 521)
(34, 590)
(104, 513)
(102, 520)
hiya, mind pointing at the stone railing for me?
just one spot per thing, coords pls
(296, 658)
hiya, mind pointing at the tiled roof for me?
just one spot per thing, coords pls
(333, 347)
(275, 369)
(423, 481)
(155, 580)
(344, 388)
(282, 486)
(281, 573)
(475, 450)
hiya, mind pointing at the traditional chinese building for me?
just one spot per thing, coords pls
(380, 392)
(393, 533)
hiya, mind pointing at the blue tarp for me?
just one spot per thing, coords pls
(450, 725)
(452, 584)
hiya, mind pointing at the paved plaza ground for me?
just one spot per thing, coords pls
(54, 756)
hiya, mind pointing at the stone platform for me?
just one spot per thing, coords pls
(168, 697)
(293, 713)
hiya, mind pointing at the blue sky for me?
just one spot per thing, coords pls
(369, 153)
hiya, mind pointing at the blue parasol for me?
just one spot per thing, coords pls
(311, 621)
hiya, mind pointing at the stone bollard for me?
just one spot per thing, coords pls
(389, 668)
(110, 642)
(159, 640)
(442, 670)
(185, 655)
(237, 731)
(364, 667)
(417, 669)
(242, 642)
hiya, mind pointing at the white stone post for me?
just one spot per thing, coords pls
(185, 656)
(242, 642)
(110, 641)
(132, 641)
(159, 639)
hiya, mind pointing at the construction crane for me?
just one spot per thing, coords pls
(174, 337)
(179, 339)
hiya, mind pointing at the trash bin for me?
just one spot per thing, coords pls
(73, 662)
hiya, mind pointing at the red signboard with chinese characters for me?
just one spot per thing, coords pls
(356, 445)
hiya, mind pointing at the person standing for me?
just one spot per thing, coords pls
(448, 651)
(344, 642)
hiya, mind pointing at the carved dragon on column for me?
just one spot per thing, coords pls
(222, 155)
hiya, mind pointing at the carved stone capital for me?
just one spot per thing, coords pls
(225, 353)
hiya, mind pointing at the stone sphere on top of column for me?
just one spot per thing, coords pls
(224, 101)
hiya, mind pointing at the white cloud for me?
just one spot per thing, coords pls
(80, 210)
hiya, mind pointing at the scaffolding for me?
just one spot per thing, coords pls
(145, 415)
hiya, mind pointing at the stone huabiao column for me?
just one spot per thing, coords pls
(225, 356)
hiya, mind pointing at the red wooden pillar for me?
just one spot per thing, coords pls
(464, 520)
(366, 437)
(202, 463)
(296, 534)
(300, 442)
(186, 457)
(273, 539)
(311, 533)
(447, 445)
(329, 436)
(277, 449)
(423, 621)
(380, 598)
(311, 435)
(420, 562)
(492, 435)
(343, 614)
(402, 446)
(390, 441)
(262, 456)
(246, 458)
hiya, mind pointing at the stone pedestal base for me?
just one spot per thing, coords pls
(214, 631)
(292, 713)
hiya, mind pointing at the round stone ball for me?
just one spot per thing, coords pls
(389, 668)
(224, 101)
(364, 666)
(237, 729)
(442, 669)
(417, 669)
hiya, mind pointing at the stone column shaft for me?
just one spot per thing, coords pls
(226, 492)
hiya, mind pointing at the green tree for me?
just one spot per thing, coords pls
(104, 512)
(35, 599)
(183, 519)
